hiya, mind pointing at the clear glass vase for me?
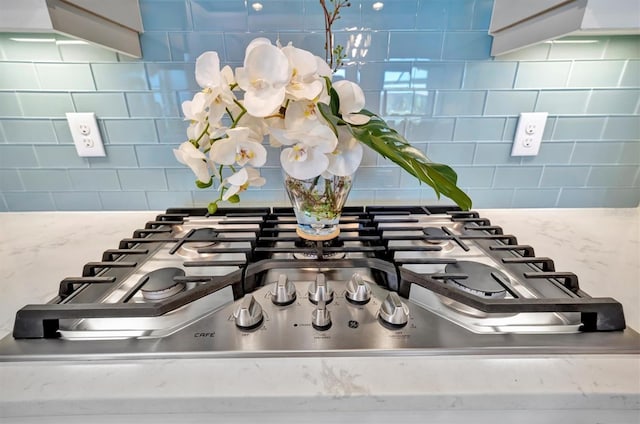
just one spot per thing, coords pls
(317, 203)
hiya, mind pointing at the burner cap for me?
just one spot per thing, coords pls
(482, 279)
(436, 235)
(160, 284)
(200, 237)
(309, 244)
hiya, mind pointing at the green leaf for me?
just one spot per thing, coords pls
(200, 184)
(234, 199)
(212, 207)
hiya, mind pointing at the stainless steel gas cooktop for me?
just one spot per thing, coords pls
(397, 281)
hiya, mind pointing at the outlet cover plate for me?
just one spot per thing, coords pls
(528, 137)
(86, 134)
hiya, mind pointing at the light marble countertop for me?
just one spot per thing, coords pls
(600, 245)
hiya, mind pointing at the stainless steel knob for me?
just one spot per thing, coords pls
(321, 318)
(320, 290)
(393, 311)
(358, 291)
(249, 313)
(284, 291)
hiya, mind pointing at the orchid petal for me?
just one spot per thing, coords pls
(309, 165)
(208, 70)
(351, 96)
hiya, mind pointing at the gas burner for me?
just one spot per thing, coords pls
(437, 236)
(308, 244)
(159, 284)
(482, 280)
(196, 239)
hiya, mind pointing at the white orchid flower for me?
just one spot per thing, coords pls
(195, 111)
(239, 148)
(215, 84)
(305, 82)
(264, 78)
(351, 102)
(241, 180)
(346, 158)
(188, 154)
(303, 162)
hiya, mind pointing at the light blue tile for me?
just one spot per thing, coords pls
(631, 74)
(28, 131)
(423, 103)
(349, 17)
(3, 203)
(45, 105)
(421, 129)
(582, 198)
(590, 74)
(187, 46)
(578, 128)
(361, 197)
(612, 176)
(622, 128)
(398, 196)
(475, 177)
(593, 153)
(630, 153)
(162, 200)
(451, 153)
(372, 101)
(510, 103)
(180, 179)
(576, 51)
(29, 201)
(17, 157)
(609, 102)
(398, 103)
(155, 46)
(9, 106)
(471, 45)
(274, 13)
(86, 53)
(489, 75)
(172, 76)
(491, 198)
(45, 179)
(123, 200)
(222, 16)
(494, 153)
(436, 75)
(158, 156)
(562, 102)
(460, 14)
(172, 130)
(10, 181)
(475, 129)
(542, 74)
(517, 176)
(564, 176)
(18, 76)
(235, 44)
(104, 105)
(623, 47)
(65, 76)
(77, 201)
(381, 76)
(551, 153)
(60, 157)
(142, 179)
(360, 44)
(398, 14)
(432, 14)
(456, 103)
(94, 179)
(131, 131)
(45, 51)
(415, 45)
(377, 178)
(156, 104)
(119, 76)
(62, 131)
(535, 198)
(117, 157)
(536, 52)
(165, 15)
(622, 197)
(510, 129)
(482, 14)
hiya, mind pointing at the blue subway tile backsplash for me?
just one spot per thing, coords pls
(424, 65)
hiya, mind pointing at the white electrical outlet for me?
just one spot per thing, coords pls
(86, 135)
(529, 134)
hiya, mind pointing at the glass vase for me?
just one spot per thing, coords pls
(317, 203)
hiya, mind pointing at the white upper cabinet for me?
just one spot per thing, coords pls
(114, 24)
(520, 23)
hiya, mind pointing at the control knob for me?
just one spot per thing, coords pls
(249, 313)
(358, 291)
(321, 318)
(320, 290)
(393, 311)
(284, 292)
